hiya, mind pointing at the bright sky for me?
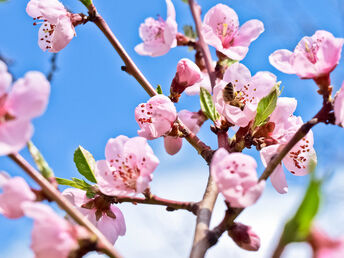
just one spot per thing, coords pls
(92, 100)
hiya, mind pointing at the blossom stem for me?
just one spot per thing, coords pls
(131, 67)
(196, 14)
(171, 205)
(104, 245)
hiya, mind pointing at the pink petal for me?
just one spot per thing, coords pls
(248, 32)
(115, 147)
(63, 34)
(281, 60)
(49, 10)
(261, 85)
(190, 119)
(278, 180)
(238, 74)
(14, 135)
(235, 52)
(76, 196)
(329, 52)
(172, 144)
(171, 12)
(29, 96)
(251, 195)
(188, 72)
(285, 108)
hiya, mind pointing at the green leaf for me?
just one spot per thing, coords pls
(189, 31)
(86, 3)
(298, 227)
(158, 89)
(85, 163)
(42, 165)
(62, 181)
(207, 105)
(76, 183)
(266, 106)
(185, 1)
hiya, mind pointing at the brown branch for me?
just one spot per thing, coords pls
(171, 205)
(104, 245)
(131, 67)
(196, 14)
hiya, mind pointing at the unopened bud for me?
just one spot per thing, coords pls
(244, 237)
(187, 75)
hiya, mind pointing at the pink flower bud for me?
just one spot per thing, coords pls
(57, 29)
(236, 178)
(128, 166)
(172, 144)
(313, 57)
(52, 236)
(339, 107)
(187, 75)
(155, 117)
(15, 192)
(221, 30)
(244, 237)
(158, 36)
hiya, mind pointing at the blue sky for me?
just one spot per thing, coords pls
(93, 100)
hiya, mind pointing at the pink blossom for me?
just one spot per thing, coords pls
(15, 191)
(57, 29)
(192, 120)
(204, 82)
(106, 217)
(27, 99)
(52, 236)
(297, 161)
(236, 178)
(128, 166)
(187, 75)
(249, 91)
(221, 30)
(5, 79)
(244, 237)
(158, 36)
(313, 57)
(155, 117)
(339, 107)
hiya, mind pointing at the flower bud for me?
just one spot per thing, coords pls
(187, 75)
(244, 237)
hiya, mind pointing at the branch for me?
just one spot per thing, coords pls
(196, 14)
(104, 245)
(171, 205)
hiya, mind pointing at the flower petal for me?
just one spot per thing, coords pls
(248, 32)
(281, 60)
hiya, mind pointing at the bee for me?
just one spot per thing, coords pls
(231, 97)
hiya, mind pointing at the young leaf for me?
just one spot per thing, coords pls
(62, 181)
(227, 62)
(85, 163)
(42, 165)
(189, 32)
(266, 106)
(207, 105)
(158, 89)
(185, 1)
(298, 227)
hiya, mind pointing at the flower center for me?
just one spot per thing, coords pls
(153, 31)
(299, 157)
(146, 112)
(226, 32)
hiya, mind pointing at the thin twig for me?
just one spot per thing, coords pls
(196, 14)
(104, 245)
(171, 205)
(53, 67)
